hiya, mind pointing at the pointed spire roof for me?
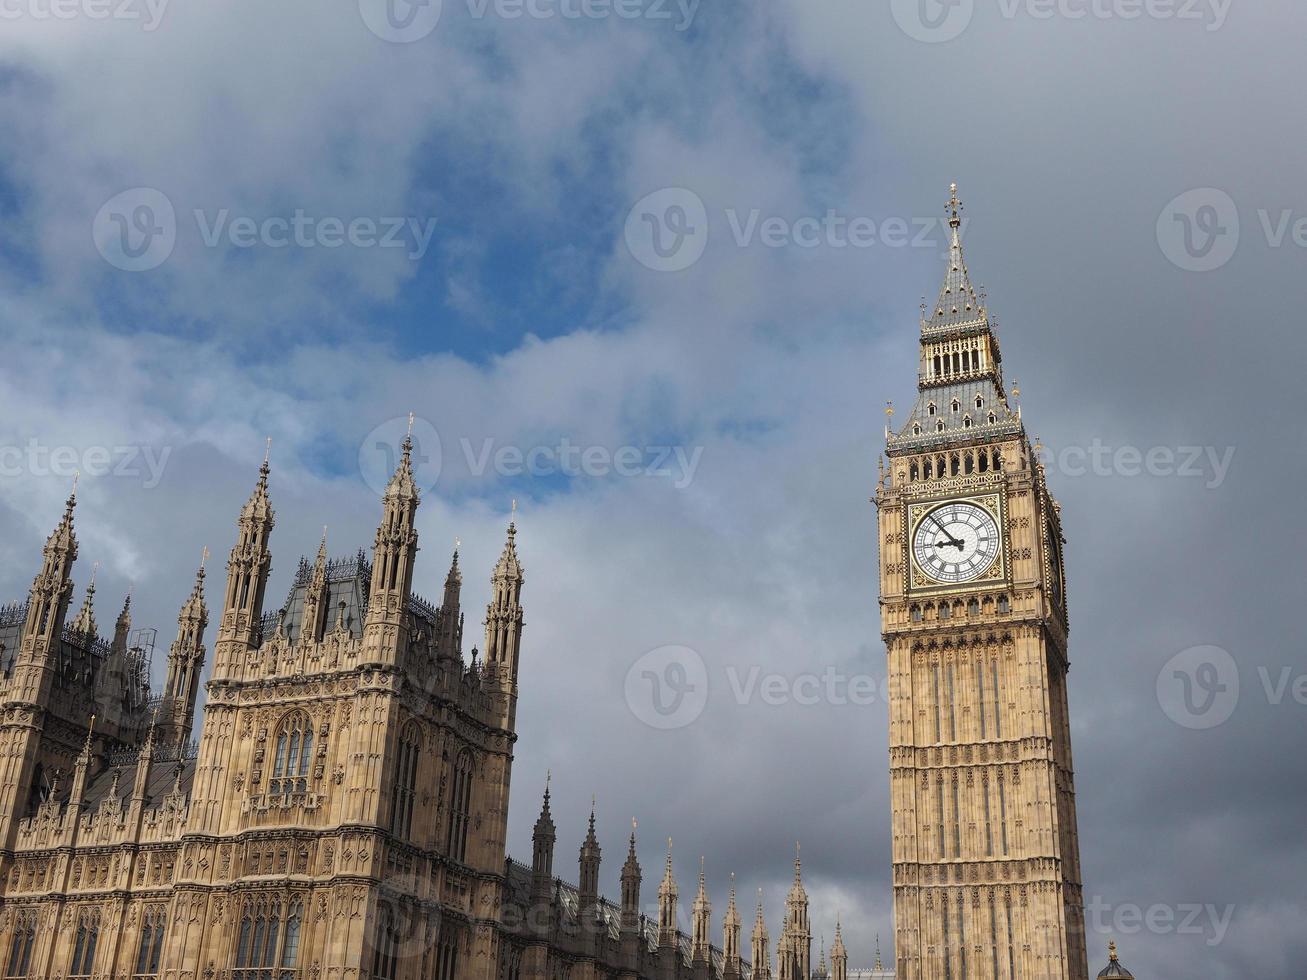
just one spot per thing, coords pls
(62, 537)
(878, 966)
(321, 561)
(632, 865)
(455, 577)
(402, 485)
(796, 890)
(958, 301)
(258, 507)
(668, 887)
(125, 617)
(701, 898)
(837, 950)
(732, 913)
(508, 565)
(194, 607)
(545, 823)
(85, 621)
(759, 922)
(591, 843)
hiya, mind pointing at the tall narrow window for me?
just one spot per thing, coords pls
(460, 807)
(957, 820)
(150, 948)
(998, 707)
(20, 948)
(939, 799)
(980, 687)
(939, 708)
(952, 703)
(88, 937)
(268, 942)
(948, 937)
(989, 820)
(1002, 814)
(404, 788)
(290, 768)
(385, 959)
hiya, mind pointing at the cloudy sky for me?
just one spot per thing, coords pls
(226, 221)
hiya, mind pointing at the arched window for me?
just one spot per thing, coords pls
(930, 409)
(268, 944)
(460, 805)
(20, 948)
(150, 949)
(447, 959)
(992, 418)
(404, 788)
(914, 470)
(939, 426)
(290, 767)
(980, 402)
(1004, 604)
(973, 607)
(966, 421)
(916, 429)
(956, 406)
(88, 937)
(916, 614)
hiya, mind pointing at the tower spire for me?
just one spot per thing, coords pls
(700, 941)
(186, 660)
(667, 896)
(504, 627)
(631, 887)
(247, 575)
(393, 553)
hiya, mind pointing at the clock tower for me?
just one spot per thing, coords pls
(973, 614)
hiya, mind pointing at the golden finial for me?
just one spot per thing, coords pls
(889, 410)
(954, 207)
(1111, 950)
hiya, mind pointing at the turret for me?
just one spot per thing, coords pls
(839, 956)
(667, 896)
(542, 861)
(393, 554)
(84, 622)
(701, 922)
(760, 956)
(731, 938)
(796, 938)
(247, 578)
(504, 627)
(317, 599)
(589, 878)
(47, 609)
(185, 660)
(449, 642)
(631, 889)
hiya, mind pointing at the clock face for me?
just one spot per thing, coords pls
(956, 542)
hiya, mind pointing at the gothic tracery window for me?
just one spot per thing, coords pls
(385, 958)
(460, 805)
(404, 786)
(267, 945)
(20, 947)
(290, 768)
(88, 937)
(150, 948)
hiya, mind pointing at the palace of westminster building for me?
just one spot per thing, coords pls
(343, 814)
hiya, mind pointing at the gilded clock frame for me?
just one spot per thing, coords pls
(919, 582)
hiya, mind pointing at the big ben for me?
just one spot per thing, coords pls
(973, 614)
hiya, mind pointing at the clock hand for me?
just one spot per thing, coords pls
(951, 540)
(960, 545)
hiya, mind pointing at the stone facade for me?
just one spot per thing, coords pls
(986, 853)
